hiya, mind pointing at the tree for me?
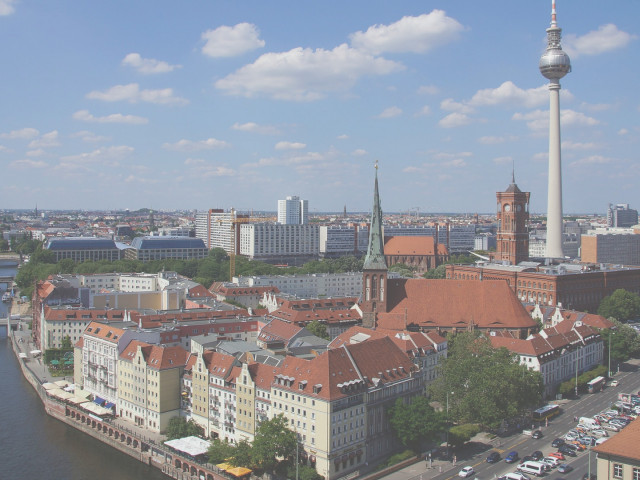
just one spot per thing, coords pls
(624, 341)
(179, 427)
(318, 329)
(241, 455)
(621, 305)
(439, 272)
(482, 384)
(415, 422)
(461, 434)
(219, 451)
(66, 343)
(273, 442)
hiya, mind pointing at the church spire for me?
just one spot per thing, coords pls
(375, 252)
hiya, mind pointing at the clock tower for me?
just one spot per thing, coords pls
(513, 220)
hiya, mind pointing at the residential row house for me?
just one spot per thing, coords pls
(336, 402)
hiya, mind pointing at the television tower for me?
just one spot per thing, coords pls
(554, 64)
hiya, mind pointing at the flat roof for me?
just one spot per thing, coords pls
(193, 446)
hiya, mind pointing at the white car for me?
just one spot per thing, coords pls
(614, 383)
(552, 461)
(599, 432)
(613, 428)
(466, 472)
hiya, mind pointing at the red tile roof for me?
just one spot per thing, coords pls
(278, 329)
(412, 245)
(453, 304)
(156, 356)
(105, 332)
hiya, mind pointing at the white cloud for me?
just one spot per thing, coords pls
(623, 131)
(390, 112)
(132, 94)
(28, 163)
(569, 145)
(22, 134)
(592, 160)
(191, 146)
(255, 128)
(428, 90)
(503, 160)
(6, 7)
(87, 136)
(36, 153)
(538, 120)
(228, 41)
(489, 140)
(148, 66)
(290, 145)
(107, 156)
(426, 110)
(509, 94)
(605, 39)
(344, 136)
(359, 152)
(303, 74)
(85, 116)
(450, 105)
(409, 34)
(455, 120)
(46, 140)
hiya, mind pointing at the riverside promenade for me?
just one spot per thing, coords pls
(138, 443)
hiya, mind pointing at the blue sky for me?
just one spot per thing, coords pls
(219, 104)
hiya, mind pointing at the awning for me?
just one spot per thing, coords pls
(55, 362)
(35, 352)
(109, 405)
(98, 400)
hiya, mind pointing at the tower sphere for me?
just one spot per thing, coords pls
(554, 64)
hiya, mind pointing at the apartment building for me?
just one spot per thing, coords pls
(277, 242)
(150, 384)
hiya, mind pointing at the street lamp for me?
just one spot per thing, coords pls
(577, 372)
(448, 420)
(610, 335)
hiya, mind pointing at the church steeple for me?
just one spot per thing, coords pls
(375, 251)
(374, 270)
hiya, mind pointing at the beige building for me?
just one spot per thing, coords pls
(164, 300)
(149, 384)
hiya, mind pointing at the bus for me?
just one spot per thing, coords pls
(596, 384)
(546, 412)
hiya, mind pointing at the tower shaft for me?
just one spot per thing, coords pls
(554, 192)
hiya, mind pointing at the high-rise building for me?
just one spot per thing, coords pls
(293, 211)
(621, 216)
(554, 64)
(513, 215)
(220, 229)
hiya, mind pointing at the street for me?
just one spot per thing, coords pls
(475, 455)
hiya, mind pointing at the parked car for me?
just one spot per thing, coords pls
(513, 476)
(557, 442)
(493, 457)
(536, 434)
(609, 426)
(564, 468)
(466, 472)
(552, 461)
(599, 433)
(567, 450)
(588, 441)
(571, 436)
(537, 455)
(557, 455)
(511, 457)
(527, 458)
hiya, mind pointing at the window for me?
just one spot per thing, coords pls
(617, 470)
(636, 474)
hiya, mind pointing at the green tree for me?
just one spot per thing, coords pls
(624, 341)
(273, 442)
(439, 272)
(482, 384)
(219, 450)
(179, 427)
(4, 245)
(461, 434)
(621, 305)
(416, 422)
(66, 343)
(241, 456)
(318, 329)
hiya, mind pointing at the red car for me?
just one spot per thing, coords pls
(557, 455)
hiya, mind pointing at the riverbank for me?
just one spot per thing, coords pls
(128, 439)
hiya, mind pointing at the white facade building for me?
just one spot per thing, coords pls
(271, 241)
(216, 228)
(293, 211)
(314, 285)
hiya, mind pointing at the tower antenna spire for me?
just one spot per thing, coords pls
(513, 171)
(553, 13)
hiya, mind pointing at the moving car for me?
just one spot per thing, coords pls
(564, 468)
(511, 457)
(536, 434)
(466, 472)
(614, 383)
(493, 457)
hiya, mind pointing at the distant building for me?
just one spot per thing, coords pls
(293, 211)
(160, 248)
(611, 247)
(485, 242)
(621, 215)
(313, 285)
(219, 229)
(83, 249)
(279, 242)
(421, 253)
(341, 241)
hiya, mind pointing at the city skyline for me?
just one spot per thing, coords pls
(227, 105)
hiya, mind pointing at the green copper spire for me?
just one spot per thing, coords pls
(375, 252)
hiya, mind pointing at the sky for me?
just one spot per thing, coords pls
(219, 104)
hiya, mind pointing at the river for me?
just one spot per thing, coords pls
(35, 446)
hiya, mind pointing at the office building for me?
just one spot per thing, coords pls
(160, 248)
(83, 249)
(620, 216)
(279, 242)
(293, 211)
(611, 247)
